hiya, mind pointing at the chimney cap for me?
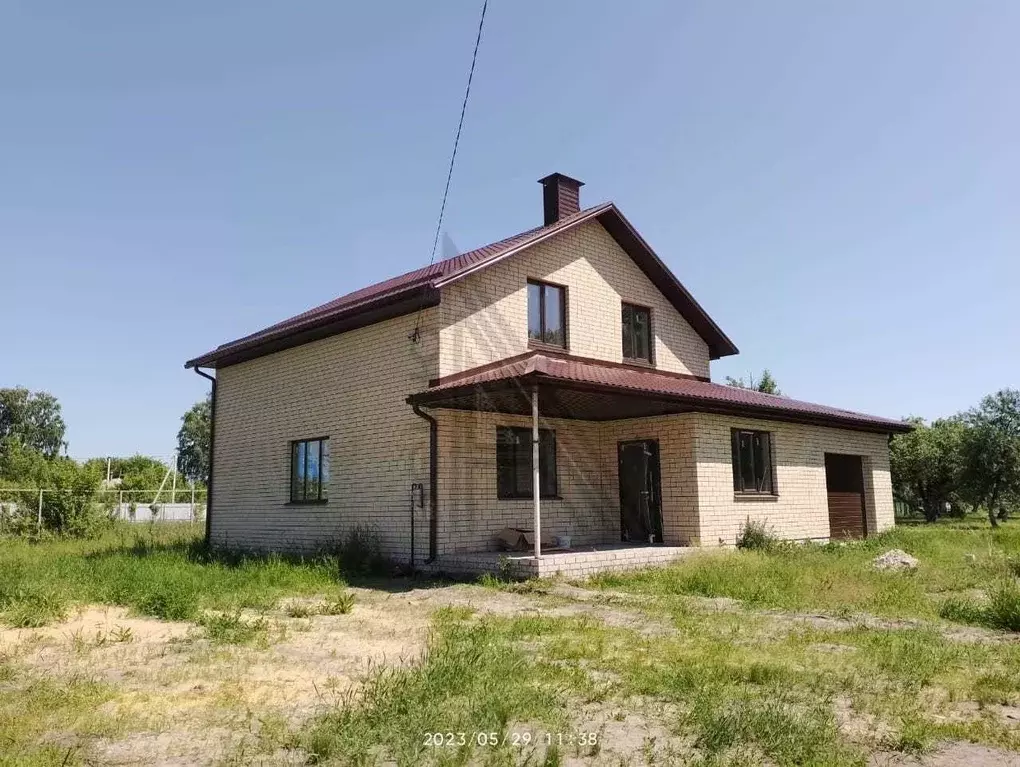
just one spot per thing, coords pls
(554, 178)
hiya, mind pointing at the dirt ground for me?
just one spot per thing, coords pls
(184, 701)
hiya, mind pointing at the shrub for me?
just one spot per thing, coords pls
(756, 536)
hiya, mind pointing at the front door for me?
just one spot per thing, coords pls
(640, 513)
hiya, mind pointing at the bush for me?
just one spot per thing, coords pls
(756, 536)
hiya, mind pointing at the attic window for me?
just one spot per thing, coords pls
(637, 333)
(547, 315)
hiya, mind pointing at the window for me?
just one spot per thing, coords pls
(752, 462)
(547, 322)
(514, 470)
(309, 470)
(637, 333)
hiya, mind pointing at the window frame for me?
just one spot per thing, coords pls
(544, 466)
(323, 492)
(650, 359)
(739, 489)
(542, 285)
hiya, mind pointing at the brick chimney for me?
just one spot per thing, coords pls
(561, 196)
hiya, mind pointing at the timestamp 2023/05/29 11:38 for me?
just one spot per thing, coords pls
(513, 739)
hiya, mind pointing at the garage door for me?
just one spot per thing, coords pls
(844, 482)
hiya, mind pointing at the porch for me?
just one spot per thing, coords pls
(578, 562)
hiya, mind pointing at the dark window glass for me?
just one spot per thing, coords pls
(637, 333)
(752, 462)
(309, 470)
(547, 321)
(534, 311)
(514, 469)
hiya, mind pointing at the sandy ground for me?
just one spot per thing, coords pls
(183, 701)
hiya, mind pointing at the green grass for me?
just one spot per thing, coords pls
(164, 571)
(33, 708)
(474, 679)
(954, 559)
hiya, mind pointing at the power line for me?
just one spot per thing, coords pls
(456, 143)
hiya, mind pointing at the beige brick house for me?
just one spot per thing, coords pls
(427, 409)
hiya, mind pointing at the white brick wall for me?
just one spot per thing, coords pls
(484, 317)
(351, 387)
(801, 509)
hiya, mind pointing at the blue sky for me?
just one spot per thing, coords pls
(837, 184)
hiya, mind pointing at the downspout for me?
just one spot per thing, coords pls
(433, 478)
(212, 451)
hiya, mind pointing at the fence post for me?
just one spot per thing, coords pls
(120, 505)
(40, 510)
(192, 503)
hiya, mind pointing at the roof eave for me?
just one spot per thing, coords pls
(386, 307)
(689, 403)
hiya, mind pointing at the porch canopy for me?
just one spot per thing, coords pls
(596, 390)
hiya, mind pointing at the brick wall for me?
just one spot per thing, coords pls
(350, 387)
(698, 503)
(484, 317)
(801, 509)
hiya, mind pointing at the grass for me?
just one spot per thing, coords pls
(34, 708)
(474, 679)
(838, 578)
(164, 572)
(726, 687)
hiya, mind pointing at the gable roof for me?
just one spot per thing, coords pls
(619, 390)
(419, 288)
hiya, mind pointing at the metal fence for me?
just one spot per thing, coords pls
(27, 508)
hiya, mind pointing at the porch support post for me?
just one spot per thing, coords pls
(535, 491)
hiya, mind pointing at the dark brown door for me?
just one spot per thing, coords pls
(640, 513)
(844, 482)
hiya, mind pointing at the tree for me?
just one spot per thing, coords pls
(193, 441)
(927, 464)
(765, 384)
(33, 419)
(991, 465)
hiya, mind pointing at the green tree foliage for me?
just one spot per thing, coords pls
(193, 441)
(33, 419)
(765, 383)
(927, 465)
(71, 504)
(138, 472)
(991, 452)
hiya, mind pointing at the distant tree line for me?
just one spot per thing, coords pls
(32, 436)
(969, 462)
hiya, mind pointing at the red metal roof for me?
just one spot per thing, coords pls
(369, 299)
(537, 367)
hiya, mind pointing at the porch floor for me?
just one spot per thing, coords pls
(576, 562)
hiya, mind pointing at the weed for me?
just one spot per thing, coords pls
(338, 604)
(34, 606)
(756, 536)
(233, 628)
(1003, 611)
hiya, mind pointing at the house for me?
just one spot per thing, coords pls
(411, 408)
